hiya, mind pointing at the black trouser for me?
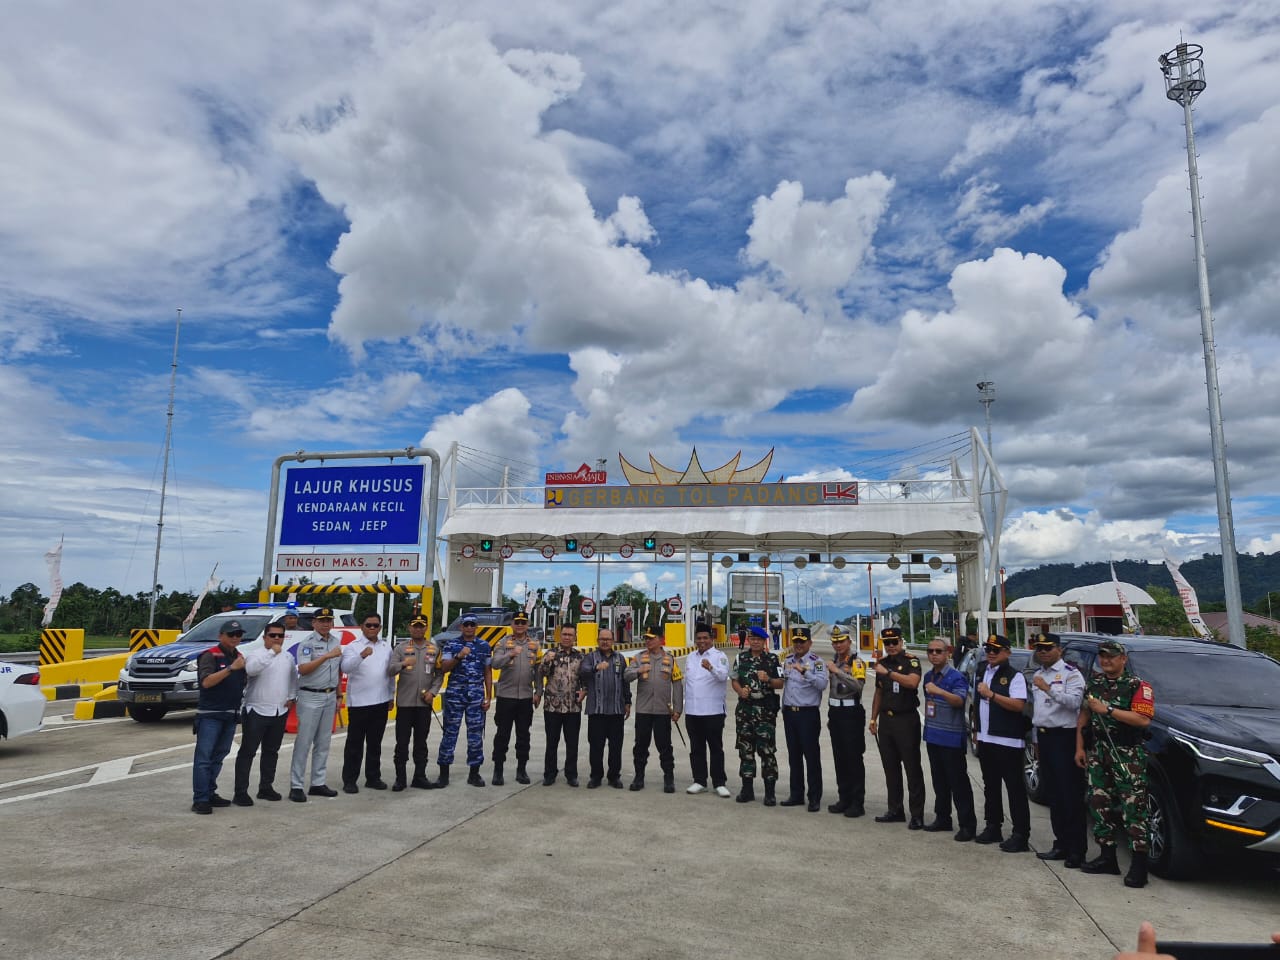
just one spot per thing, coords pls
(365, 727)
(803, 728)
(257, 730)
(1064, 786)
(655, 726)
(847, 726)
(706, 737)
(950, 775)
(602, 729)
(510, 712)
(898, 737)
(412, 723)
(1003, 765)
(570, 724)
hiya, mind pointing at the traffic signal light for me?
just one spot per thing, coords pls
(486, 546)
(651, 543)
(570, 544)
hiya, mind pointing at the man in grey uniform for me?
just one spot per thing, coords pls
(318, 656)
(659, 701)
(413, 663)
(517, 657)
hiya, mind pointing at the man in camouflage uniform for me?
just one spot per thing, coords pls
(1117, 709)
(755, 676)
(469, 693)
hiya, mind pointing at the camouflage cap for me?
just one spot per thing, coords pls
(1112, 646)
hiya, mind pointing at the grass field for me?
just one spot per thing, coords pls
(18, 642)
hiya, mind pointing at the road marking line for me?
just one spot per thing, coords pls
(111, 771)
(90, 766)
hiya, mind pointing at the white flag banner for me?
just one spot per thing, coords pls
(54, 561)
(210, 584)
(937, 614)
(1130, 615)
(1190, 602)
(530, 598)
(564, 605)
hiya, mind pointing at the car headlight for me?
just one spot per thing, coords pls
(190, 665)
(128, 664)
(1220, 752)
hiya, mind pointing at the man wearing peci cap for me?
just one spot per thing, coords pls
(517, 657)
(272, 681)
(846, 721)
(1118, 708)
(317, 656)
(895, 723)
(470, 690)
(220, 671)
(413, 664)
(1057, 689)
(1002, 697)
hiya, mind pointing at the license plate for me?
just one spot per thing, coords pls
(148, 698)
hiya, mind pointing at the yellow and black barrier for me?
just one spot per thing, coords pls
(327, 588)
(76, 691)
(60, 646)
(144, 638)
(102, 706)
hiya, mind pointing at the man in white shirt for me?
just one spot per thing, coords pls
(272, 684)
(369, 691)
(706, 678)
(1001, 741)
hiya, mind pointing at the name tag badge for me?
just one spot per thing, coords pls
(930, 708)
(896, 687)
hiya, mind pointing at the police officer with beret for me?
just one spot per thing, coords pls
(895, 723)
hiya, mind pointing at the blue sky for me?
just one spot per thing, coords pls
(578, 229)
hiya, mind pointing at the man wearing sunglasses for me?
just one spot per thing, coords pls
(895, 723)
(272, 683)
(220, 671)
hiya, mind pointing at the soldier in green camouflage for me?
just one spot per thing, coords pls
(756, 675)
(1111, 747)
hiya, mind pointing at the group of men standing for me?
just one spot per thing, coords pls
(1083, 730)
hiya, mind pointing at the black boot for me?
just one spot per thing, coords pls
(497, 779)
(769, 799)
(522, 776)
(444, 776)
(748, 792)
(475, 779)
(637, 782)
(400, 783)
(420, 780)
(1137, 875)
(1104, 862)
(668, 783)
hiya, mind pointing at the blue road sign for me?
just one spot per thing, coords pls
(380, 504)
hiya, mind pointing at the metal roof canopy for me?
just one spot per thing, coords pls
(946, 516)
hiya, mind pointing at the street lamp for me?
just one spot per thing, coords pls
(1184, 81)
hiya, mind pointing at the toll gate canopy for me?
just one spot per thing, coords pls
(957, 515)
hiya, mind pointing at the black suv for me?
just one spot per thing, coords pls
(1214, 747)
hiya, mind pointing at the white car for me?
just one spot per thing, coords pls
(21, 700)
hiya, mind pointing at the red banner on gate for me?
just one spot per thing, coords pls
(582, 476)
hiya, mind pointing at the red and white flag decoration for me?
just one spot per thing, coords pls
(1130, 615)
(1190, 602)
(54, 561)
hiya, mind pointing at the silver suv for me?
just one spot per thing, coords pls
(159, 679)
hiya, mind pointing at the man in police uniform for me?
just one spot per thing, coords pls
(220, 671)
(845, 724)
(413, 664)
(1057, 690)
(470, 690)
(804, 677)
(317, 655)
(659, 701)
(517, 657)
(756, 678)
(1118, 708)
(1002, 696)
(895, 723)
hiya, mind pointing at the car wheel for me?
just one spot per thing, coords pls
(1031, 775)
(147, 714)
(1172, 853)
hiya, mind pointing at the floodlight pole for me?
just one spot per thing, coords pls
(1184, 81)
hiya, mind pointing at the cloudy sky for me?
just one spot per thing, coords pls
(557, 232)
